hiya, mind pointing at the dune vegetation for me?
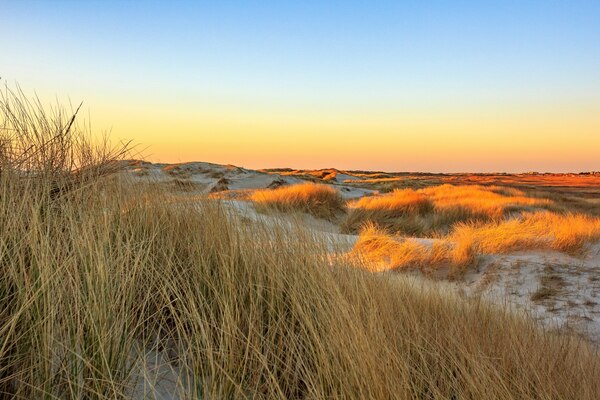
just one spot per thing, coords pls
(382, 251)
(434, 210)
(533, 230)
(541, 230)
(316, 199)
(110, 290)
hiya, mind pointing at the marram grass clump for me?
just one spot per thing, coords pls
(317, 199)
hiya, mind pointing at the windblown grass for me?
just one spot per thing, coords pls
(95, 281)
(435, 210)
(491, 201)
(541, 230)
(382, 251)
(243, 311)
(399, 201)
(536, 230)
(319, 200)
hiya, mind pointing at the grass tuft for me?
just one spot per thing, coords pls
(380, 251)
(535, 230)
(542, 230)
(319, 200)
(434, 210)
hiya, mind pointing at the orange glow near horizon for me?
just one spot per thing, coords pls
(559, 138)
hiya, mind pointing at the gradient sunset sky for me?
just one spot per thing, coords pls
(434, 86)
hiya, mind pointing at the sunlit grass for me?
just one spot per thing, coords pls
(319, 200)
(542, 230)
(537, 230)
(399, 201)
(382, 251)
(435, 210)
(492, 201)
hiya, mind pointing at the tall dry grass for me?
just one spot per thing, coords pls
(382, 251)
(110, 292)
(531, 231)
(541, 230)
(319, 200)
(491, 201)
(434, 210)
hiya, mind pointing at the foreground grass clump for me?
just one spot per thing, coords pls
(319, 200)
(436, 209)
(242, 311)
(109, 291)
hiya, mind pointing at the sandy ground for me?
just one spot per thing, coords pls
(214, 178)
(559, 290)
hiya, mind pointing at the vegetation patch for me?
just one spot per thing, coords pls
(322, 201)
(380, 251)
(434, 210)
(542, 230)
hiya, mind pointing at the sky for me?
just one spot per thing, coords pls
(434, 86)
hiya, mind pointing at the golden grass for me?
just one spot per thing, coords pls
(95, 281)
(536, 230)
(382, 252)
(319, 200)
(492, 201)
(399, 201)
(436, 209)
(541, 230)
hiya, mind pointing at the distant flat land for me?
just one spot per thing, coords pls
(583, 185)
